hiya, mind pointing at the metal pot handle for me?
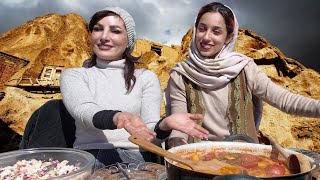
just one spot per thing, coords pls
(237, 137)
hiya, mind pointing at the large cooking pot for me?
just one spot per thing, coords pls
(175, 172)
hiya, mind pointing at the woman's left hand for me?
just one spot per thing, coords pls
(134, 125)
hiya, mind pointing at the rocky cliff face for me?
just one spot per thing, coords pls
(63, 40)
(56, 40)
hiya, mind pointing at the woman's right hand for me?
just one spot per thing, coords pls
(176, 141)
(134, 125)
(186, 123)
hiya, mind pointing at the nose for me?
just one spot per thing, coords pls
(105, 36)
(206, 35)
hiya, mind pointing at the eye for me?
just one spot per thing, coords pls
(201, 29)
(96, 28)
(217, 32)
(116, 31)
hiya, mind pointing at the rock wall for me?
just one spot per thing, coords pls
(53, 39)
(57, 40)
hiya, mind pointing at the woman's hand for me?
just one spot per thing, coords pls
(134, 125)
(184, 122)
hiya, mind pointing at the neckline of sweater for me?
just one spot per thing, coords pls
(103, 64)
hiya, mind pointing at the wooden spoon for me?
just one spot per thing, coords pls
(212, 167)
(297, 163)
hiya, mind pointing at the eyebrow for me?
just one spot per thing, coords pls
(112, 26)
(115, 26)
(214, 27)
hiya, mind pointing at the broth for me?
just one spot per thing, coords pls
(253, 165)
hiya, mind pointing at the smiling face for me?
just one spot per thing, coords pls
(109, 38)
(211, 34)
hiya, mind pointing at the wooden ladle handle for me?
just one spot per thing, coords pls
(157, 150)
(296, 163)
(212, 166)
(275, 143)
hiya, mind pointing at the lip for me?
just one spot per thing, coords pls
(205, 47)
(104, 46)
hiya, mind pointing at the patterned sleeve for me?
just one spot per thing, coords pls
(176, 100)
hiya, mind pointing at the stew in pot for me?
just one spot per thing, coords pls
(253, 165)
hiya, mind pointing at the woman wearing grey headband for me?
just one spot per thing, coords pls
(226, 87)
(110, 99)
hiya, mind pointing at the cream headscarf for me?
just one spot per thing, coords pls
(213, 73)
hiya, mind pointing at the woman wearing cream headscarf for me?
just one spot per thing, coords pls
(226, 87)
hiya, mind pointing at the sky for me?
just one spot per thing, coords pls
(290, 25)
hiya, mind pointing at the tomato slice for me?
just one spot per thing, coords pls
(209, 156)
(249, 165)
(249, 161)
(250, 158)
(274, 170)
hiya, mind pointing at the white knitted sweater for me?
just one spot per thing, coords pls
(86, 91)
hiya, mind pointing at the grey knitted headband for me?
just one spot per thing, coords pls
(128, 22)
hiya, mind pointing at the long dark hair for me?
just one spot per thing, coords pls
(223, 10)
(129, 68)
